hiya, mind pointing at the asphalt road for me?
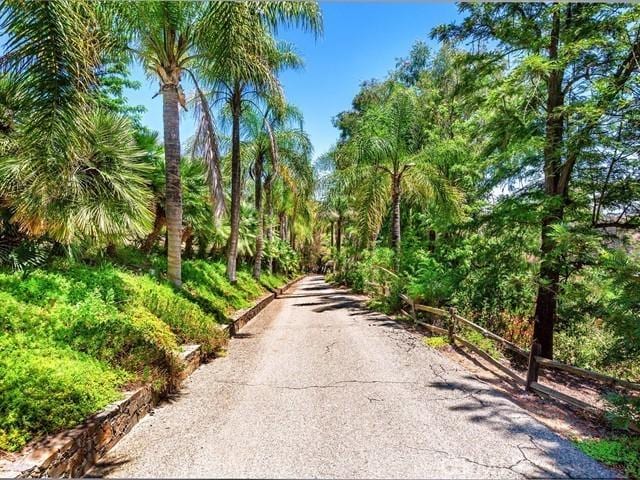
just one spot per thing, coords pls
(317, 386)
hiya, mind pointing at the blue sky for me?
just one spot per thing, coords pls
(361, 41)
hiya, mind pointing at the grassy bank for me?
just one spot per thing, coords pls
(73, 336)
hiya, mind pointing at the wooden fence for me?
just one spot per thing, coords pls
(454, 323)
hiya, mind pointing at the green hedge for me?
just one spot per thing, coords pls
(72, 336)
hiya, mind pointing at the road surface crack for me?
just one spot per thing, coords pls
(475, 462)
(542, 469)
(327, 348)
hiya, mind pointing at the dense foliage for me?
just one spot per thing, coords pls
(511, 190)
(498, 174)
(112, 243)
(73, 334)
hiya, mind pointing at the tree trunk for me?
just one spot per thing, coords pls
(171, 120)
(188, 242)
(232, 245)
(202, 246)
(111, 250)
(331, 235)
(159, 223)
(257, 264)
(292, 231)
(339, 234)
(432, 240)
(269, 218)
(549, 277)
(165, 244)
(395, 215)
(283, 226)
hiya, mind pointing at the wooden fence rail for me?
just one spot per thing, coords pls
(535, 361)
(453, 322)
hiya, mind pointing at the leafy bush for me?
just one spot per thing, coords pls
(482, 342)
(206, 284)
(272, 281)
(619, 451)
(47, 386)
(72, 335)
(429, 283)
(285, 258)
(131, 339)
(187, 321)
(585, 345)
(359, 273)
(622, 411)
(436, 341)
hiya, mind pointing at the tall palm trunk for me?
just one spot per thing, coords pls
(283, 226)
(292, 223)
(232, 246)
(331, 234)
(339, 234)
(257, 264)
(173, 207)
(395, 216)
(549, 276)
(269, 218)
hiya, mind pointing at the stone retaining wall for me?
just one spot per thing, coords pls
(73, 452)
(242, 317)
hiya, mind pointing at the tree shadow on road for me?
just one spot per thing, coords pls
(104, 468)
(539, 446)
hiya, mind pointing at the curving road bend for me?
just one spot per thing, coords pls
(318, 386)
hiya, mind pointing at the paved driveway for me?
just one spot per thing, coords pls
(317, 386)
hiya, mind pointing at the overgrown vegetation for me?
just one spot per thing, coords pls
(623, 452)
(73, 335)
(116, 249)
(436, 341)
(505, 189)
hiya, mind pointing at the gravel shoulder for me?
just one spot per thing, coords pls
(318, 386)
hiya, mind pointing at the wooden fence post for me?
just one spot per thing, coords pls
(413, 310)
(532, 372)
(451, 325)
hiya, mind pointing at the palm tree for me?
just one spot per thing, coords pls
(278, 147)
(172, 39)
(166, 41)
(386, 159)
(105, 196)
(73, 170)
(245, 69)
(51, 54)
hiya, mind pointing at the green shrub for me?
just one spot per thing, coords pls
(621, 451)
(622, 411)
(482, 342)
(429, 283)
(272, 281)
(585, 345)
(72, 335)
(285, 258)
(16, 316)
(45, 387)
(436, 341)
(187, 320)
